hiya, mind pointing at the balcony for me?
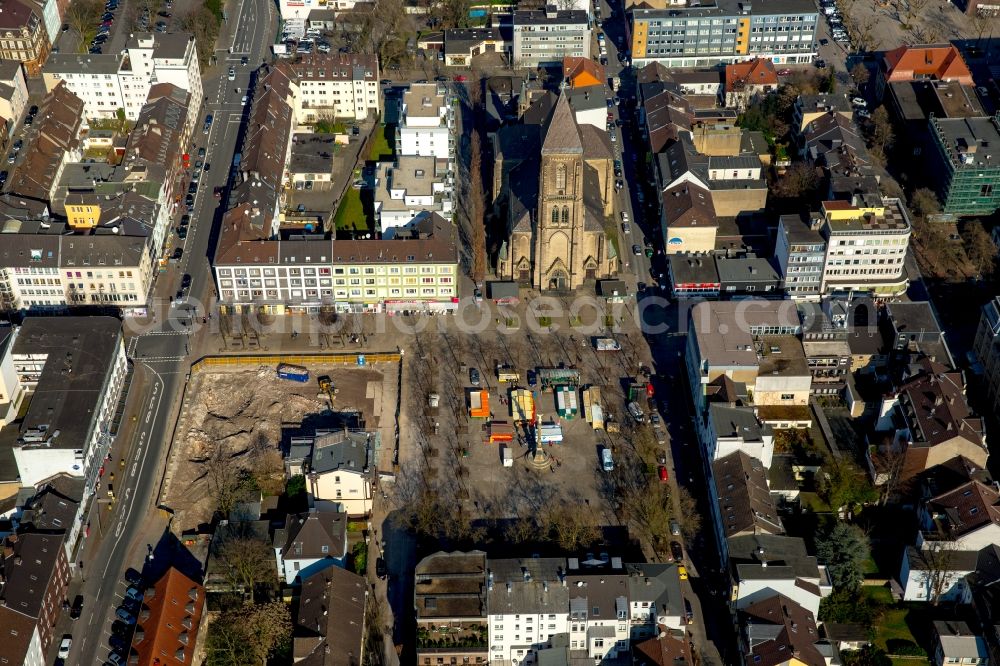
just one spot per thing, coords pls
(448, 637)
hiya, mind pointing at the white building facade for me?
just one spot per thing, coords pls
(545, 37)
(108, 82)
(337, 86)
(427, 124)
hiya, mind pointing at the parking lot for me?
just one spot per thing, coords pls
(453, 451)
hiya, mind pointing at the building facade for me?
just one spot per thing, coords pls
(724, 31)
(337, 86)
(800, 250)
(968, 164)
(545, 37)
(427, 124)
(23, 35)
(107, 82)
(866, 247)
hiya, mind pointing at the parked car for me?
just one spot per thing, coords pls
(682, 572)
(380, 569)
(662, 473)
(133, 592)
(637, 250)
(125, 616)
(232, 73)
(64, 645)
(178, 253)
(77, 609)
(474, 376)
(859, 101)
(676, 551)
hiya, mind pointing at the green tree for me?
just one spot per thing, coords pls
(869, 655)
(844, 549)
(843, 485)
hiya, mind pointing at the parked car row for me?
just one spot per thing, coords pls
(107, 20)
(126, 616)
(836, 21)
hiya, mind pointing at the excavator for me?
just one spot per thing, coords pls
(326, 386)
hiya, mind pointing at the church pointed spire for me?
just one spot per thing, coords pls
(562, 135)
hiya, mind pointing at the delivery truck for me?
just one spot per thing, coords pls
(295, 373)
(607, 344)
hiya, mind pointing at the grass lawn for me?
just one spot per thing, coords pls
(351, 212)
(382, 144)
(878, 593)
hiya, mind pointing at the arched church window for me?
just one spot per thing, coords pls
(555, 215)
(561, 177)
(565, 215)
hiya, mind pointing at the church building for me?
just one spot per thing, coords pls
(554, 177)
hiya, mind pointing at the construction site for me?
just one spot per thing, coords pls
(239, 415)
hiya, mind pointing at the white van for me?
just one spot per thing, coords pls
(607, 462)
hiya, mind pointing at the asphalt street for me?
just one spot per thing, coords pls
(161, 349)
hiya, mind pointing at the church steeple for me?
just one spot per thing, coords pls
(561, 133)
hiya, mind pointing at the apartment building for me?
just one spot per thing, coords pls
(967, 164)
(744, 505)
(800, 250)
(449, 601)
(866, 247)
(35, 576)
(23, 35)
(413, 271)
(310, 542)
(526, 607)
(13, 94)
(776, 631)
(705, 34)
(336, 86)
(340, 470)
(23, 642)
(74, 369)
(168, 627)
(987, 350)
(736, 182)
(545, 36)
(761, 565)
(933, 420)
(927, 62)
(409, 189)
(427, 123)
(107, 82)
(825, 333)
(51, 143)
(330, 618)
(729, 338)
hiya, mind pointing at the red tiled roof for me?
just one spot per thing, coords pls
(940, 61)
(756, 72)
(169, 621)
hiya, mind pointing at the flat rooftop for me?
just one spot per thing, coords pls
(80, 352)
(312, 153)
(970, 142)
(893, 220)
(783, 356)
(423, 100)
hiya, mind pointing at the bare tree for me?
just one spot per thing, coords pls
(82, 16)
(572, 526)
(248, 560)
(688, 516)
(226, 480)
(889, 462)
(860, 74)
(924, 202)
(979, 247)
(936, 558)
